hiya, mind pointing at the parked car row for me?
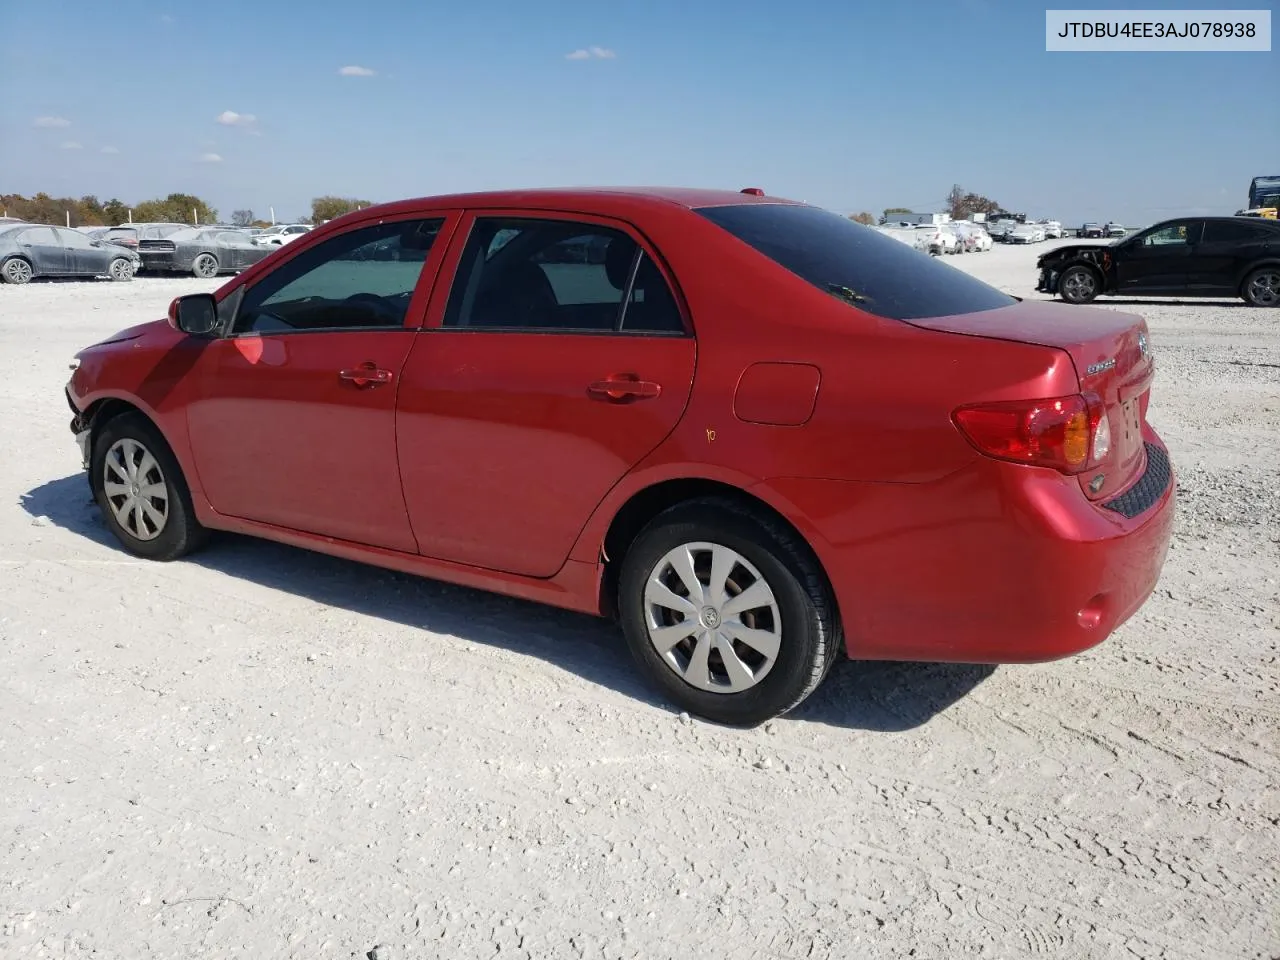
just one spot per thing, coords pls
(935, 239)
(31, 250)
(1091, 229)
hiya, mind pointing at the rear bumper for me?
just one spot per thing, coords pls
(997, 563)
(159, 261)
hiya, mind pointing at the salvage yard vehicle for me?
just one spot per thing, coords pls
(202, 251)
(1091, 229)
(131, 234)
(556, 395)
(280, 234)
(1188, 257)
(30, 250)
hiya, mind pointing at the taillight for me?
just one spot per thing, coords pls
(1069, 434)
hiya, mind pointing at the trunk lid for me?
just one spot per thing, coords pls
(1112, 358)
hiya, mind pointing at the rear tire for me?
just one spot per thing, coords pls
(140, 489)
(205, 266)
(16, 270)
(731, 663)
(1261, 288)
(1079, 285)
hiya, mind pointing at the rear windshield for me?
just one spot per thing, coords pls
(848, 259)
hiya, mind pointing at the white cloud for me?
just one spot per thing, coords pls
(229, 118)
(109, 150)
(210, 158)
(72, 145)
(354, 71)
(51, 122)
(165, 18)
(591, 53)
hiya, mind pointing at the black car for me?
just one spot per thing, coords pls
(1187, 257)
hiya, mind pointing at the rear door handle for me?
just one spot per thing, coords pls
(623, 387)
(368, 374)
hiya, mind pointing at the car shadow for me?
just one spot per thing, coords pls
(875, 696)
(1170, 302)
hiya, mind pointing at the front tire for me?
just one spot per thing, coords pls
(1261, 288)
(727, 612)
(1078, 285)
(16, 270)
(205, 266)
(140, 489)
(120, 270)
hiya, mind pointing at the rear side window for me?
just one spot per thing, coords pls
(847, 259)
(1225, 231)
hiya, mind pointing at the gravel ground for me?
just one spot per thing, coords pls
(265, 752)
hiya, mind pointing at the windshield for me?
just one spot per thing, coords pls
(857, 263)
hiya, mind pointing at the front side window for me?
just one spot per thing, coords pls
(559, 275)
(362, 278)
(1173, 236)
(871, 270)
(74, 238)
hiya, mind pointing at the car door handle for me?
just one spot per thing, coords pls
(366, 375)
(623, 387)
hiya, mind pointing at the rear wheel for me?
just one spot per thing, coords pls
(205, 266)
(140, 489)
(1078, 285)
(726, 612)
(16, 270)
(1262, 287)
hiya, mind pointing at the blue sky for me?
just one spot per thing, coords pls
(850, 106)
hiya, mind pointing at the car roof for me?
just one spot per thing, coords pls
(598, 198)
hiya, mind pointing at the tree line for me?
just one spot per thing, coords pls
(960, 204)
(89, 211)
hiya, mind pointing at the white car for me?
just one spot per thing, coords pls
(936, 240)
(280, 234)
(973, 237)
(1025, 233)
(1052, 229)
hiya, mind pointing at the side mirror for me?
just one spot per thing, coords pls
(195, 314)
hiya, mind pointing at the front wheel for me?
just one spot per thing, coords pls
(1262, 287)
(205, 266)
(1078, 285)
(726, 612)
(120, 270)
(140, 489)
(16, 270)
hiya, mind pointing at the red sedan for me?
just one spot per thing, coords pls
(756, 432)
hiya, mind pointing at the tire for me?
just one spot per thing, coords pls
(1078, 284)
(168, 521)
(16, 270)
(120, 270)
(205, 266)
(1261, 288)
(796, 615)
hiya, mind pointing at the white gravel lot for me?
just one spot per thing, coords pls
(262, 752)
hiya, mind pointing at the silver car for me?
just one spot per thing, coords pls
(30, 250)
(203, 251)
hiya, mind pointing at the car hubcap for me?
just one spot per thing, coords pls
(712, 617)
(19, 271)
(135, 489)
(1077, 286)
(1265, 289)
(206, 267)
(120, 269)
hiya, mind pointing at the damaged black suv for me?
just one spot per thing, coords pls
(1187, 257)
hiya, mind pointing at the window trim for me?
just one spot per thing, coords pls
(422, 292)
(461, 236)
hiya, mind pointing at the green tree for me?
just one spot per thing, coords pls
(863, 217)
(895, 211)
(175, 208)
(330, 207)
(114, 212)
(961, 203)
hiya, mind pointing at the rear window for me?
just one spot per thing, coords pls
(836, 254)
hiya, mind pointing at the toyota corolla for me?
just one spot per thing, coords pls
(760, 435)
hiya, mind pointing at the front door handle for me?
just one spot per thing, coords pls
(623, 387)
(368, 374)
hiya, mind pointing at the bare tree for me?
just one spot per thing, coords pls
(242, 218)
(961, 203)
(863, 217)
